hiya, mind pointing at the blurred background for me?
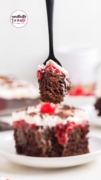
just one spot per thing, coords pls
(77, 45)
(76, 24)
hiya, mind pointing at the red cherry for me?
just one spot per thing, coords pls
(20, 124)
(70, 130)
(79, 91)
(49, 68)
(62, 138)
(52, 68)
(89, 94)
(47, 108)
(61, 133)
(40, 73)
(32, 126)
(83, 125)
(70, 127)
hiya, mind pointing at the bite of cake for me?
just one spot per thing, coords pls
(54, 82)
(49, 130)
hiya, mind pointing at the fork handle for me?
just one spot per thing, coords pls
(50, 7)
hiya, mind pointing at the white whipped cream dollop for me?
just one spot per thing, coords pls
(52, 63)
(45, 120)
(15, 88)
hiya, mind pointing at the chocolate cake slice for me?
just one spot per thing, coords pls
(54, 82)
(97, 105)
(47, 130)
(16, 93)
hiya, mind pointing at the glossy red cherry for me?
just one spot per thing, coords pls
(62, 138)
(61, 131)
(83, 125)
(70, 127)
(52, 68)
(89, 94)
(40, 73)
(20, 124)
(79, 91)
(32, 126)
(47, 108)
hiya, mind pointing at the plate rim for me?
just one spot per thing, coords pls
(2, 152)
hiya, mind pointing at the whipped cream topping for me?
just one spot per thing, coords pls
(32, 115)
(52, 63)
(15, 88)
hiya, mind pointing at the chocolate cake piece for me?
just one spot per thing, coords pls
(51, 131)
(97, 105)
(54, 82)
(16, 93)
(5, 126)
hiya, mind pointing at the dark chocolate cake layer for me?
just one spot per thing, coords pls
(7, 106)
(98, 106)
(41, 142)
(53, 87)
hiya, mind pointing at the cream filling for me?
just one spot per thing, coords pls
(52, 63)
(19, 92)
(18, 89)
(46, 119)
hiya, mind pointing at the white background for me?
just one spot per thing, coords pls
(77, 23)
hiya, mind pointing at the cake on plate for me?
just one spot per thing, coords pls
(54, 82)
(49, 130)
(16, 93)
(82, 64)
(97, 104)
(85, 91)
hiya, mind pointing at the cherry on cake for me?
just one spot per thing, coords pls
(16, 93)
(54, 82)
(83, 90)
(49, 130)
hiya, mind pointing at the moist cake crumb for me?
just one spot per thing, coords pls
(54, 83)
(54, 131)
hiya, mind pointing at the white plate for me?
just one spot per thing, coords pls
(7, 119)
(7, 150)
(79, 101)
(92, 112)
